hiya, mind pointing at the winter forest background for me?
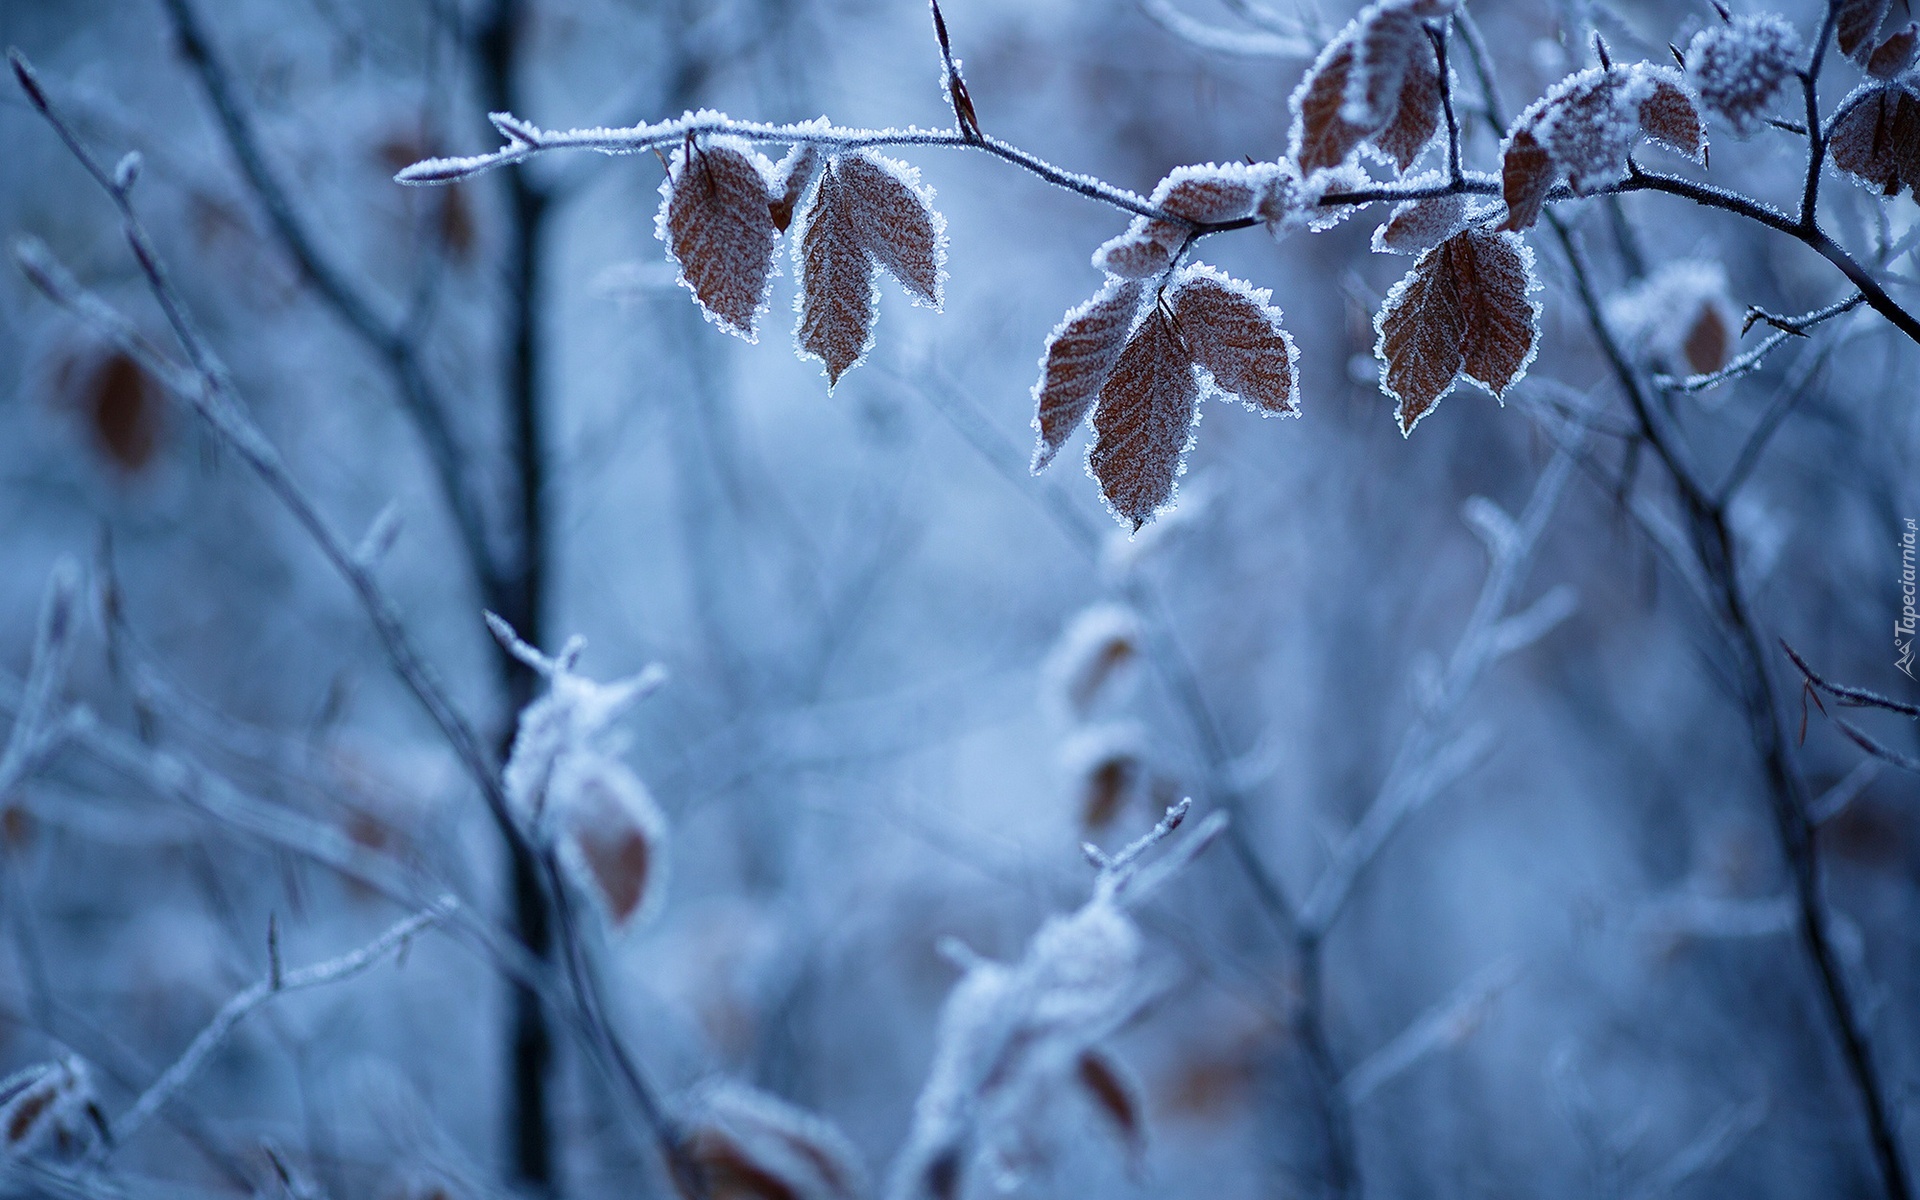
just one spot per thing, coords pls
(1522, 858)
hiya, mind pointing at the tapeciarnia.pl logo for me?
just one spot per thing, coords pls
(1903, 625)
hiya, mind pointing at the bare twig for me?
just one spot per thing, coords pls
(235, 1010)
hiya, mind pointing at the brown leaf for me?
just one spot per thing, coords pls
(1878, 141)
(1670, 115)
(1855, 22)
(1418, 225)
(1104, 790)
(1146, 249)
(895, 221)
(616, 831)
(837, 291)
(1115, 1096)
(1894, 55)
(123, 409)
(1322, 138)
(1387, 40)
(715, 219)
(1144, 421)
(1417, 117)
(1207, 192)
(1709, 343)
(1527, 174)
(1464, 309)
(1233, 334)
(1080, 355)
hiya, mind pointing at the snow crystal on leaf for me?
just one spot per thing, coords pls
(1680, 319)
(792, 177)
(1877, 139)
(1377, 80)
(1584, 127)
(893, 215)
(838, 295)
(1287, 203)
(614, 835)
(1740, 67)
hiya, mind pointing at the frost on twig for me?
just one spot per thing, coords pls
(1016, 1038)
(571, 790)
(49, 1112)
(1446, 1025)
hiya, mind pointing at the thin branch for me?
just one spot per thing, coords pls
(1445, 1025)
(235, 1010)
(1748, 362)
(391, 339)
(1852, 697)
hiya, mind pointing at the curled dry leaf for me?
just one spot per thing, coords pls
(1235, 336)
(715, 219)
(1377, 80)
(48, 1111)
(1146, 249)
(1115, 1095)
(1856, 23)
(1080, 355)
(1877, 140)
(1466, 309)
(1584, 127)
(1144, 421)
(614, 835)
(1680, 319)
(866, 212)
(755, 1146)
(1094, 658)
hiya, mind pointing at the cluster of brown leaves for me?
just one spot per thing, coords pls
(1377, 84)
(1466, 309)
(724, 207)
(1142, 375)
(1582, 130)
(1856, 30)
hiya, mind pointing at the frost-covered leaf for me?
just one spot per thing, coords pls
(1894, 55)
(1106, 767)
(1878, 140)
(1144, 420)
(614, 835)
(1680, 319)
(837, 289)
(893, 217)
(48, 1111)
(1466, 309)
(1095, 657)
(1741, 67)
(792, 178)
(1584, 127)
(1209, 192)
(1417, 117)
(1115, 1095)
(1235, 336)
(867, 211)
(1080, 354)
(1379, 79)
(1143, 251)
(1418, 225)
(715, 219)
(1856, 23)
(755, 1146)
(1009, 1037)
